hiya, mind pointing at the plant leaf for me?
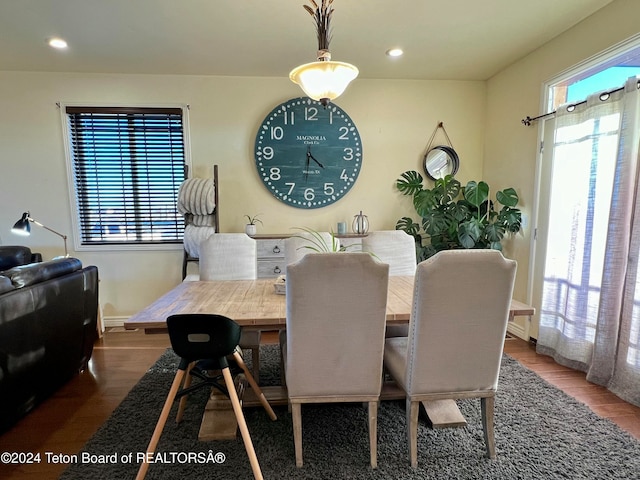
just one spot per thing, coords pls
(510, 218)
(424, 202)
(494, 232)
(469, 233)
(316, 242)
(476, 193)
(434, 223)
(446, 189)
(410, 183)
(407, 225)
(507, 197)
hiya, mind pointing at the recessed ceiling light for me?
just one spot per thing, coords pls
(57, 43)
(395, 52)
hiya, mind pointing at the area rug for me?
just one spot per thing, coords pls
(541, 433)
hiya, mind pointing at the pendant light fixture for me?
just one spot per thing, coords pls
(323, 80)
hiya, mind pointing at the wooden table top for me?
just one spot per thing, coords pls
(254, 303)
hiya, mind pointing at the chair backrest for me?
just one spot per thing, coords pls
(228, 256)
(336, 314)
(295, 247)
(202, 336)
(459, 321)
(394, 247)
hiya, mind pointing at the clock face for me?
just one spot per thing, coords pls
(308, 156)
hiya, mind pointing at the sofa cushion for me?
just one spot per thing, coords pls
(5, 284)
(12, 256)
(26, 275)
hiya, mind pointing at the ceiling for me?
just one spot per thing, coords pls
(442, 39)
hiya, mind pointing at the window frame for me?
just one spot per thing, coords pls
(75, 218)
(588, 67)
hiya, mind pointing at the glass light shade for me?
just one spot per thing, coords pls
(324, 80)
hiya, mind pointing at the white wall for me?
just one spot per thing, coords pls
(395, 120)
(510, 148)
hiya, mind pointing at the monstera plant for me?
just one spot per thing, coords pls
(455, 216)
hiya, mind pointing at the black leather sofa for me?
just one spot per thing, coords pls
(48, 315)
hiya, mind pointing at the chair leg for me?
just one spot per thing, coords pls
(487, 407)
(153, 443)
(254, 385)
(296, 414)
(183, 400)
(255, 358)
(413, 408)
(373, 433)
(242, 424)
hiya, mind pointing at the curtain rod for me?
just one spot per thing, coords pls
(603, 96)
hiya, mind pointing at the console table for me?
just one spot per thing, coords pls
(271, 251)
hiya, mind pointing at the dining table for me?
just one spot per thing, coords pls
(255, 304)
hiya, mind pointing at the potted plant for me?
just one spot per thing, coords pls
(250, 228)
(453, 216)
(316, 242)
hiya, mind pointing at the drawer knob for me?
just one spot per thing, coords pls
(277, 269)
(276, 249)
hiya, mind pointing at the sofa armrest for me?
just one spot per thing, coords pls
(14, 255)
(26, 275)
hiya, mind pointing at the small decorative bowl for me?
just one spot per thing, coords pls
(280, 285)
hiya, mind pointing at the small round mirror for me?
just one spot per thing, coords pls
(441, 161)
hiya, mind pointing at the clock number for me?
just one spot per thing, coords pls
(345, 133)
(277, 133)
(344, 176)
(274, 173)
(291, 185)
(348, 154)
(289, 118)
(310, 113)
(309, 194)
(267, 153)
(328, 189)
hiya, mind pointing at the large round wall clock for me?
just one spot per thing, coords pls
(308, 156)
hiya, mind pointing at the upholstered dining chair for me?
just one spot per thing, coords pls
(336, 309)
(398, 249)
(207, 343)
(456, 335)
(233, 256)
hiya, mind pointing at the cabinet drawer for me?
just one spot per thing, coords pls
(271, 268)
(270, 248)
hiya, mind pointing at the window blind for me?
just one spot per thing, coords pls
(128, 164)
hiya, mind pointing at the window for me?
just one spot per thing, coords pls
(127, 166)
(607, 71)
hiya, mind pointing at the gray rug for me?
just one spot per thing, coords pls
(541, 433)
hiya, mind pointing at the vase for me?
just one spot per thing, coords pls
(250, 229)
(360, 224)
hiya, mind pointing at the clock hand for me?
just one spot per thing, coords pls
(306, 170)
(314, 159)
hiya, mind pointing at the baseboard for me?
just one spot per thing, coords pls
(517, 330)
(114, 321)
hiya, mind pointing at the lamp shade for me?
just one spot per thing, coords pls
(324, 80)
(22, 226)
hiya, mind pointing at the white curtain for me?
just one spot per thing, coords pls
(590, 313)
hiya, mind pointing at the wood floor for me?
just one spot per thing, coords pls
(62, 424)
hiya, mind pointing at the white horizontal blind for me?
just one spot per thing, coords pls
(128, 164)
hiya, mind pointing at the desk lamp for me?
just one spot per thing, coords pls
(23, 227)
